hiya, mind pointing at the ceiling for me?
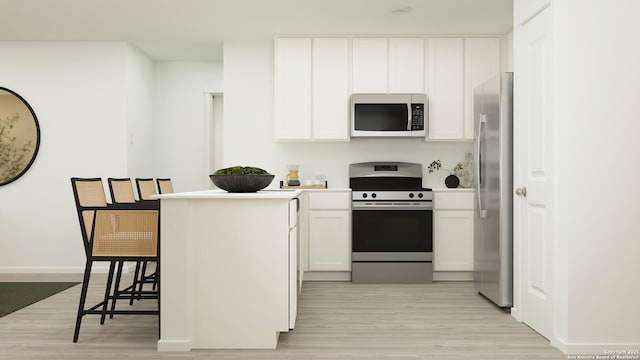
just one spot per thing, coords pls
(196, 29)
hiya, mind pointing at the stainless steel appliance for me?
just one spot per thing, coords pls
(392, 224)
(493, 248)
(389, 115)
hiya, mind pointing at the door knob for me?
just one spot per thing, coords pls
(521, 191)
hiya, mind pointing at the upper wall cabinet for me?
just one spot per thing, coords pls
(293, 88)
(388, 65)
(445, 89)
(455, 67)
(330, 89)
(314, 78)
(312, 89)
(482, 61)
(406, 65)
(370, 62)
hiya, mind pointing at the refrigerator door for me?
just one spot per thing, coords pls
(493, 149)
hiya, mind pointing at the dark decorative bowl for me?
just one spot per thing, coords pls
(242, 183)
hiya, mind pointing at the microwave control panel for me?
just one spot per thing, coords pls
(417, 116)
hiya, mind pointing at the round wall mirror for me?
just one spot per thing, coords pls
(19, 136)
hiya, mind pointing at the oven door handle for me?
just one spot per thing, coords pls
(378, 206)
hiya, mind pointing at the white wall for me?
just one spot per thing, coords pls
(601, 79)
(180, 151)
(249, 129)
(78, 91)
(596, 85)
(139, 99)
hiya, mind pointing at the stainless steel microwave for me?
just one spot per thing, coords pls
(389, 115)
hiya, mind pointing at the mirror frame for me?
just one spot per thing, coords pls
(37, 142)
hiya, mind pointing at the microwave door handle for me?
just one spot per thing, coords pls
(409, 117)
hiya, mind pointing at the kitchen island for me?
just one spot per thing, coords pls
(228, 269)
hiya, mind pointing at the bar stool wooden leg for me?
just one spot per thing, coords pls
(83, 298)
(107, 291)
(135, 280)
(116, 289)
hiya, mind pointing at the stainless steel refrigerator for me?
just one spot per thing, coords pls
(493, 149)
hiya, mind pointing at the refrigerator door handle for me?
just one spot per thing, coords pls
(481, 211)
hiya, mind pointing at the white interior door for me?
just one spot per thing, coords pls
(533, 172)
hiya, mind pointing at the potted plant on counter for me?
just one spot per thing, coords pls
(451, 181)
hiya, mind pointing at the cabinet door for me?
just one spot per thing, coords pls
(293, 276)
(329, 240)
(331, 89)
(453, 240)
(293, 89)
(482, 61)
(370, 65)
(406, 65)
(445, 70)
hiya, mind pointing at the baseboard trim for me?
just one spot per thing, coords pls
(612, 350)
(310, 275)
(101, 268)
(327, 276)
(453, 276)
(174, 345)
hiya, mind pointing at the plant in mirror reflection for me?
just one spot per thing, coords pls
(13, 157)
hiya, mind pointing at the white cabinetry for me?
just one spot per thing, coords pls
(312, 89)
(453, 216)
(406, 65)
(370, 63)
(303, 228)
(455, 67)
(445, 88)
(294, 261)
(293, 89)
(314, 78)
(388, 65)
(330, 231)
(228, 270)
(482, 61)
(330, 89)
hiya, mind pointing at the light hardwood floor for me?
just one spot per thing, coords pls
(336, 320)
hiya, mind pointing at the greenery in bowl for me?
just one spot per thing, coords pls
(238, 179)
(240, 170)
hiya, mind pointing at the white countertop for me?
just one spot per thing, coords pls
(221, 194)
(452, 189)
(328, 190)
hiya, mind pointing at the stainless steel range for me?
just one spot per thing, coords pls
(392, 223)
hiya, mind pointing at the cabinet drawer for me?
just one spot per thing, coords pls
(329, 201)
(452, 200)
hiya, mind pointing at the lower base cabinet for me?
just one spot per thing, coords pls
(453, 217)
(329, 245)
(330, 231)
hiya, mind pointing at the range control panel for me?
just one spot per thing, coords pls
(384, 195)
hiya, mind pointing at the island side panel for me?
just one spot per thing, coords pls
(175, 280)
(240, 272)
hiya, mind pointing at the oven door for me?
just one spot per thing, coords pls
(392, 233)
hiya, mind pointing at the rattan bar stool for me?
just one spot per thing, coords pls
(146, 189)
(165, 186)
(111, 233)
(122, 193)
